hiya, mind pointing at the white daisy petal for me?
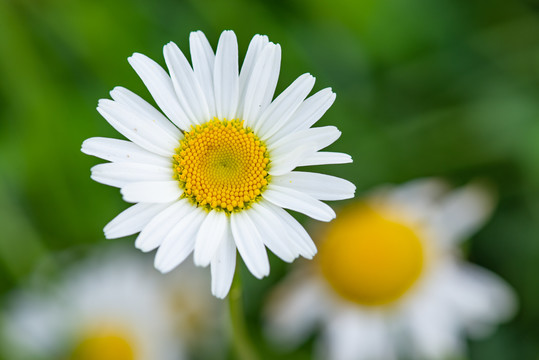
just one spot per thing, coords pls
(223, 265)
(249, 243)
(156, 230)
(121, 174)
(203, 60)
(295, 232)
(421, 197)
(179, 242)
(152, 191)
(282, 108)
(299, 147)
(320, 137)
(479, 297)
(428, 191)
(294, 309)
(132, 220)
(139, 105)
(319, 186)
(213, 230)
(308, 113)
(185, 83)
(122, 151)
(256, 45)
(275, 236)
(326, 158)
(144, 133)
(299, 201)
(286, 161)
(433, 330)
(462, 212)
(160, 86)
(352, 335)
(261, 85)
(225, 79)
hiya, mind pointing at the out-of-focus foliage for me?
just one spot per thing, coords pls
(447, 88)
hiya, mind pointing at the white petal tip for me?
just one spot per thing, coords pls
(259, 273)
(327, 217)
(84, 146)
(163, 269)
(127, 197)
(344, 158)
(170, 46)
(109, 234)
(308, 77)
(274, 47)
(220, 293)
(117, 90)
(104, 103)
(201, 261)
(260, 36)
(227, 35)
(134, 57)
(143, 248)
(259, 276)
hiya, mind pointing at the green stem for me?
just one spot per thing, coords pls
(243, 346)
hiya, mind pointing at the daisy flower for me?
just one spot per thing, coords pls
(389, 281)
(111, 307)
(214, 171)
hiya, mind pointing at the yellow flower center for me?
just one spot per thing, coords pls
(370, 259)
(222, 165)
(103, 346)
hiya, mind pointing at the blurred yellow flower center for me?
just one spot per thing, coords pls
(222, 165)
(103, 346)
(370, 259)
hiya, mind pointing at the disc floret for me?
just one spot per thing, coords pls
(222, 165)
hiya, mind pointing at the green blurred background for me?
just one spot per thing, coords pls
(424, 88)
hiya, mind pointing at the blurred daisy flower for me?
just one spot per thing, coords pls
(112, 307)
(389, 280)
(216, 170)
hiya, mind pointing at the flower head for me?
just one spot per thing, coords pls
(216, 170)
(389, 281)
(111, 307)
